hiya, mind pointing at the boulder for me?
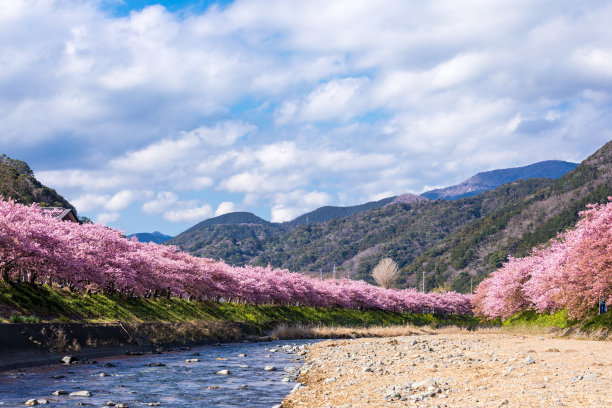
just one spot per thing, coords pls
(83, 393)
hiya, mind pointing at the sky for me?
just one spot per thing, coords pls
(155, 115)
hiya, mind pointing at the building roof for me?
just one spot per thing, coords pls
(64, 214)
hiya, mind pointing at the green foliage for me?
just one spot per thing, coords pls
(23, 319)
(57, 305)
(532, 318)
(603, 321)
(17, 182)
(525, 217)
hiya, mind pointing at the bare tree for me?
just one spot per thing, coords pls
(385, 273)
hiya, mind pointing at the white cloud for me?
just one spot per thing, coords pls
(89, 202)
(170, 153)
(264, 98)
(337, 99)
(288, 206)
(162, 201)
(106, 218)
(124, 198)
(224, 208)
(188, 214)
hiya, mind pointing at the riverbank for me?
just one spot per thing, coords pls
(31, 344)
(484, 368)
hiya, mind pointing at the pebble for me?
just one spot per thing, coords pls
(529, 360)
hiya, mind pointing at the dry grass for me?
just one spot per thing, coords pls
(285, 331)
(185, 332)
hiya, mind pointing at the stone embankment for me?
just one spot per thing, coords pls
(456, 370)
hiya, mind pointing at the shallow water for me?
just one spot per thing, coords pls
(178, 384)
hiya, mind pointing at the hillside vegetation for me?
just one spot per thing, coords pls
(483, 245)
(17, 182)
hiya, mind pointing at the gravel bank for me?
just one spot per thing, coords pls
(456, 370)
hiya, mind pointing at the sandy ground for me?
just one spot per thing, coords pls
(457, 370)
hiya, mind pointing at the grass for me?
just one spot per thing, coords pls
(531, 318)
(560, 319)
(50, 304)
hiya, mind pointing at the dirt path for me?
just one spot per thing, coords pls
(457, 370)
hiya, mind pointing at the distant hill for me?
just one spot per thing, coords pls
(156, 237)
(489, 180)
(234, 237)
(330, 212)
(17, 181)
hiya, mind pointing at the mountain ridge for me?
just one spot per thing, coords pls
(489, 180)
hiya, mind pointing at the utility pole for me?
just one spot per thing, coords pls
(321, 273)
(334, 271)
(423, 281)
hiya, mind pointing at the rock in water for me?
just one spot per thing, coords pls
(269, 368)
(223, 372)
(80, 394)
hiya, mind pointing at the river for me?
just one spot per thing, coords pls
(130, 380)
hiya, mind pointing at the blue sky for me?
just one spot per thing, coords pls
(156, 115)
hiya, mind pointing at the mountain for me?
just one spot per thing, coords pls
(234, 237)
(452, 241)
(17, 181)
(489, 180)
(400, 231)
(483, 245)
(327, 213)
(156, 237)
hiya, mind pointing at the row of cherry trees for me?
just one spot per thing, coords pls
(38, 248)
(573, 272)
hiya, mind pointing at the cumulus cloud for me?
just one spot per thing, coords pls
(288, 206)
(161, 202)
(188, 214)
(224, 208)
(107, 217)
(265, 98)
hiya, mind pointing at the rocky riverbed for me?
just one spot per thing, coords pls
(456, 370)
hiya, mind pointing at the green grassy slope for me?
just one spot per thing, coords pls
(19, 302)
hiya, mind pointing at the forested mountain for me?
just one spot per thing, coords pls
(235, 237)
(451, 241)
(327, 213)
(156, 237)
(489, 180)
(483, 245)
(400, 231)
(17, 181)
